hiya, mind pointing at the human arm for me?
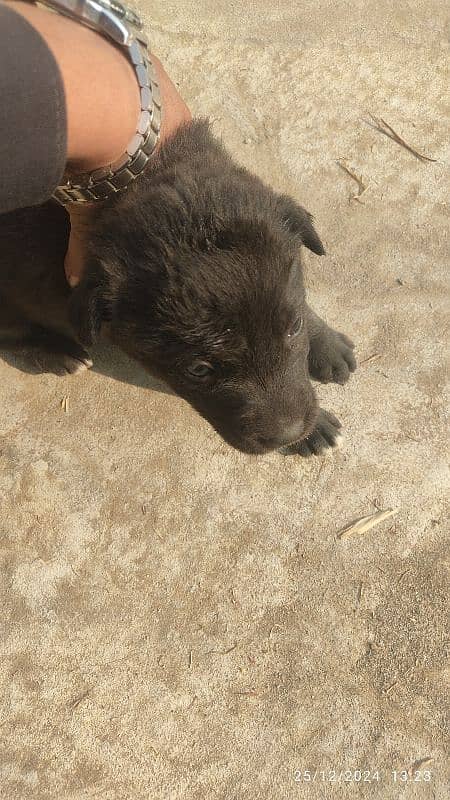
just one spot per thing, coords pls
(102, 106)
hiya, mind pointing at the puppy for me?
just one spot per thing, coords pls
(195, 272)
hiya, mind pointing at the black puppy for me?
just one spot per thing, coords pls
(195, 272)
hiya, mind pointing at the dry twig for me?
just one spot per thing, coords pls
(223, 652)
(371, 358)
(77, 700)
(380, 125)
(420, 762)
(362, 187)
(365, 523)
(359, 593)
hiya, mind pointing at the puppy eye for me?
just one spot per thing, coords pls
(295, 328)
(200, 369)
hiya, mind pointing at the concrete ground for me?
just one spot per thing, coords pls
(180, 620)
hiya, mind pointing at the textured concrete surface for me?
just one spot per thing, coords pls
(180, 620)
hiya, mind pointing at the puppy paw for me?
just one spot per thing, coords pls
(58, 363)
(66, 364)
(331, 357)
(326, 434)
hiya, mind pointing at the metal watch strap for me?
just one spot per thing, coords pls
(124, 27)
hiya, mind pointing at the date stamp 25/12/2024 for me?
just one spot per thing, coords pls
(356, 775)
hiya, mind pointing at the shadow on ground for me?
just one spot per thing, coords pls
(108, 361)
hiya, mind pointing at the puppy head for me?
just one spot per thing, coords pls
(210, 299)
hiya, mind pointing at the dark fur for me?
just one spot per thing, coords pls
(198, 260)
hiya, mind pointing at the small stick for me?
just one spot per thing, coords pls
(230, 650)
(77, 700)
(403, 574)
(359, 593)
(223, 652)
(361, 185)
(371, 358)
(411, 438)
(65, 404)
(190, 659)
(419, 763)
(366, 523)
(383, 127)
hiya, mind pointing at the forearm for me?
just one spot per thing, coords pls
(102, 95)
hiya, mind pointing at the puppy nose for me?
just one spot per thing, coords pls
(287, 435)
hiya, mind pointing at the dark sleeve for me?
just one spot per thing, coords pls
(33, 126)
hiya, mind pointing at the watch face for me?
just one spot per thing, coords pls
(115, 22)
(124, 12)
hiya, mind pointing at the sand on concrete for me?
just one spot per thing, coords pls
(180, 620)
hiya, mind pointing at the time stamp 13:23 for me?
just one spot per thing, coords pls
(362, 775)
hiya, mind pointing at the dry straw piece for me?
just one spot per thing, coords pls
(380, 125)
(362, 186)
(366, 523)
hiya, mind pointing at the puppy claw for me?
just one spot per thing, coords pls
(78, 366)
(325, 435)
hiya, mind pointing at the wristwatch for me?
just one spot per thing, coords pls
(124, 27)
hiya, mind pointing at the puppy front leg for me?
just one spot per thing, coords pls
(330, 352)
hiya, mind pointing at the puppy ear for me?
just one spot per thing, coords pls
(86, 311)
(300, 223)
